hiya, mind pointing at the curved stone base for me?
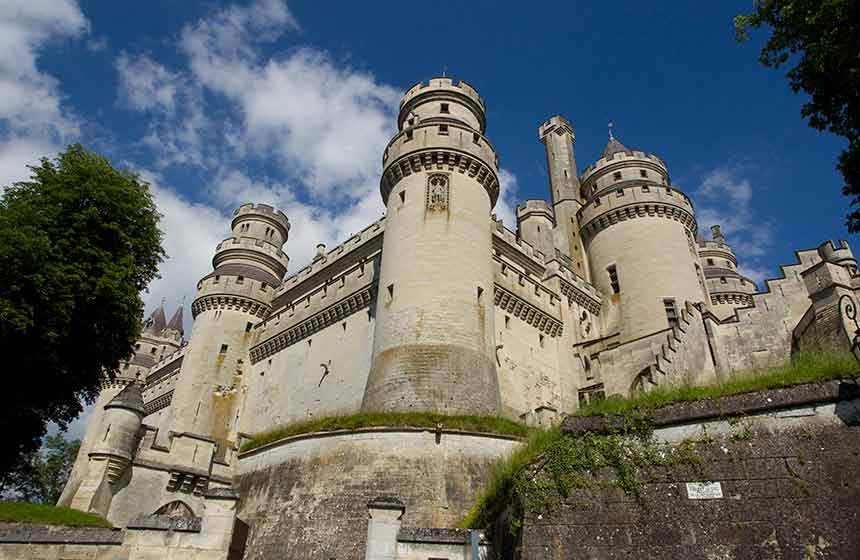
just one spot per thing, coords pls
(433, 377)
(306, 496)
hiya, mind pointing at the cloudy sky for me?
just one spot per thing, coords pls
(216, 104)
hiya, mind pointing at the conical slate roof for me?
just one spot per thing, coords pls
(156, 322)
(613, 147)
(176, 321)
(130, 397)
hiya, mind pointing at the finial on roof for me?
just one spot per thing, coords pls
(610, 131)
(176, 321)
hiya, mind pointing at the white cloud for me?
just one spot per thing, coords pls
(327, 125)
(145, 84)
(33, 122)
(30, 100)
(506, 206)
(725, 198)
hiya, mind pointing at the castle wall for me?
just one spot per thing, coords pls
(292, 385)
(308, 495)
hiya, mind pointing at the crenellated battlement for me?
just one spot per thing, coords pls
(443, 84)
(636, 201)
(277, 217)
(332, 258)
(233, 292)
(556, 124)
(252, 249)
(535, 207)
(621, 158)
(838, 253)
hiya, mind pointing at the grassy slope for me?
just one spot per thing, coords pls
(24, 512)
(489, 424)
(805, 368)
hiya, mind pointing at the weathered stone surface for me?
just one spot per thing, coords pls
(166, 523)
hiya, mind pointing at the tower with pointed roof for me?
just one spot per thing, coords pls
(639, 233)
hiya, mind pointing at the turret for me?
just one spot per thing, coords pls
(727, 288)
(558, 138)
(236, 295)
(638, 232)
(535, 224)
(112, 451)
(433, 343)
(838, 253)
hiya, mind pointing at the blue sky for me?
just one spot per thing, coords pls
(292, 104)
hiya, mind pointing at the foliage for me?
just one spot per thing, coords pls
(804, 368)
(41, 475)
(487, 424)
(23, 512)
(822, 39)
(78, 243)
(552, 465)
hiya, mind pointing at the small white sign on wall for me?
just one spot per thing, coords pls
(704, 490)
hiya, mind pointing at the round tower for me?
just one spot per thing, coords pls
(639, 232)
(433, 344)
(838, 253)
(248, 267)
(728, 289)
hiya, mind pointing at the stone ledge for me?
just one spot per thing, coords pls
(166, 523)
(435, 535)
(734, 405)
(52, 534)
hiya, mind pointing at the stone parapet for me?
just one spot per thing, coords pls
(248, 248)
(269, 214)
(640, 201)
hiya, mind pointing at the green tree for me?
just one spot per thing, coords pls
(41, 475)
(79, 242)
(821, 39)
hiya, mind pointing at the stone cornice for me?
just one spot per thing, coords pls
(226, 301)
(335, 312)
(642, 209)
(433, 159)
(520, 308)
(158, 403)
(732, 297)
(583, 299)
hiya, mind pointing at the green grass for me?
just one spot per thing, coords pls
(500, 486)
(805, 368)
(24, 512)
(489, 424)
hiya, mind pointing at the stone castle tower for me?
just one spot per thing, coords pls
(605, 288)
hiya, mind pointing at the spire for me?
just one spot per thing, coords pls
(613, 146)
(176, 321)
(156, 322)
(130, 398)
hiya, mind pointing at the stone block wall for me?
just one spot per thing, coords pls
(776, 479)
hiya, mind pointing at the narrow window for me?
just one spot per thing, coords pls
(217, 278)
(646, 188)
(443, 129)
(444, 108)
(264, 286)
(223, 349)
(402, 196)
(408, 135)
(722, 279)
(411, 121)
(476, 138)
(153, 350)
(612, 270)
(248, 327)
(480, 293)
(619, 192)
(643, 173)
(617, 175)
(541, 340)
(240, 279)
(710, 262)
(507, 321)
(565, 174)
(344, 326)
(671, 312)
(390, 292)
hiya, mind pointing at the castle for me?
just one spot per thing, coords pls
(606, 289)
